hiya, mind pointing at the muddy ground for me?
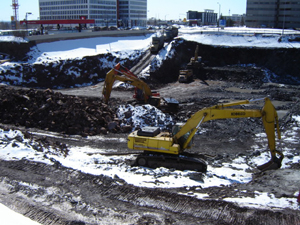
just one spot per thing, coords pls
(73, 197)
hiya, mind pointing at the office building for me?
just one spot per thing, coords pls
(105, 13)
(273, 13)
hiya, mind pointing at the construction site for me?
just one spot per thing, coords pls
(118, 133)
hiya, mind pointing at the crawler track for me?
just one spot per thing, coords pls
(170, 161)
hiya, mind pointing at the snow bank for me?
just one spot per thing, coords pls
(120, 47)
(240, 37)
(12, 39)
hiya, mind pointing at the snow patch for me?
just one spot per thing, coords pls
(145, 115)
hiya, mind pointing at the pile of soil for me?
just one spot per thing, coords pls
(56, 112)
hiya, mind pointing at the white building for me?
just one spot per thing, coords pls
(105, 13)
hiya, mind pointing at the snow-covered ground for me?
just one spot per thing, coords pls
(90, 160)
(10, 217)
(123, 46)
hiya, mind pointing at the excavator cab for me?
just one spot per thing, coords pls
(175, 129)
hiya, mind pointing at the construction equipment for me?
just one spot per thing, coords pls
(192, 68)
(167, 149)
(196, 59)
(157, 44)
(185, 76)
(170, 33)
(143, 93)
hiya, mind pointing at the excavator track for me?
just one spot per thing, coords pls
(179, 162)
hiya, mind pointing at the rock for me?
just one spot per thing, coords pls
(112, 125)
(103, 130)
(126, 128)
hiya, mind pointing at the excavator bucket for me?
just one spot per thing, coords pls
(273, 164)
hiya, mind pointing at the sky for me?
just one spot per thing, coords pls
(166, 9)
(176, 9)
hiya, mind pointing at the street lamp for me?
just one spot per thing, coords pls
(283, 23)
(28, 13)
(219, 16)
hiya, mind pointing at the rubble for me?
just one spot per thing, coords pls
(141, 116)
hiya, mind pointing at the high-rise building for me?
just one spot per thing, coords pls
(105, 13)
(273, 13)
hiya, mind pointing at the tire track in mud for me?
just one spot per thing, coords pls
(42, 216)
(217, 211)
(73, 197)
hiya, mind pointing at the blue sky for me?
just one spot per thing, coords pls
(161, 9)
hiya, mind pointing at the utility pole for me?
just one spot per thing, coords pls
(15, 6)
(28, 13)
(283, 23)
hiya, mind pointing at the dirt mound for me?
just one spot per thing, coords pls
(67, 73)
(52, 111)
(16, 51)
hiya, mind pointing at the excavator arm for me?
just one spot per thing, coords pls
(196, 54)
(125, 75)
(268, 114)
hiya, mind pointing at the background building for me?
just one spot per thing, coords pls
(239, 20)
(105, 13)
(132, 13)
(273, 13)
(235, 20)
(208, 17)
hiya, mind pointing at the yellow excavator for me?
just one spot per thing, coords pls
(167, 149)
(143, 93)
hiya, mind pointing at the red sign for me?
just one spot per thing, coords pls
(81, 21)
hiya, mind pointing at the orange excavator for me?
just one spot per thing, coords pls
(143, 93)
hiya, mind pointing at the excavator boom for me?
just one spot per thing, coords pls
(123, 74)
(143, 93)
(181, 138)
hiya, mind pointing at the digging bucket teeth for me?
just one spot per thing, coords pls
(273, 164)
